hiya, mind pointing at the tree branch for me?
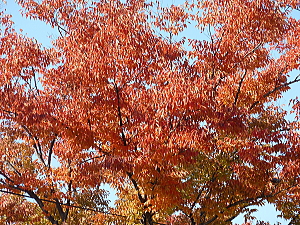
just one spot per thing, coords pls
(60, 210)
(42, 206)
(36, 145)
(51, 151)
(297, 79)
(239, 88)
(142, 199)
(120, 115)
(35, 83)
(72, 206)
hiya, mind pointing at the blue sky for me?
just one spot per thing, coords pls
(43, 34)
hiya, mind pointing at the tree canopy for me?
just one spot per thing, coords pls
(187, 131)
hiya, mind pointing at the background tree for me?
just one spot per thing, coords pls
(187, 132)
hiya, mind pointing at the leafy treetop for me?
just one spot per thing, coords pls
(188, 131)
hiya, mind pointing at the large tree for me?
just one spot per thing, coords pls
(186, 131)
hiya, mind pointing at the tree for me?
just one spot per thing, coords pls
(186, 131)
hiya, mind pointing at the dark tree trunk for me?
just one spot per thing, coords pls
(192, 221)
(147, 218)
